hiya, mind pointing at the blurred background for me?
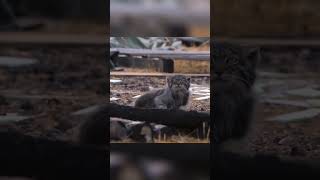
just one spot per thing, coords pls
(287, 118)
(160, 162)
(52, 63)
(160, 18)
(266, 18)
(73, 16)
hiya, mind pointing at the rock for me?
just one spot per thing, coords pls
(141, 132)
(272, 75)
(314, 102)
(87, 110)
(135, 97)
(305, 92)
(13, 62)
(285, 140)
(273, 95)
(162, 130)
(286, 102)
(296, 116)
(115, 80)
(118, 130)
(12, 117)
(202, 98)
(114, 99)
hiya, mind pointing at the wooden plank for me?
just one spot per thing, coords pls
(41, 97)
(40, 39)
(268, 42)
(150, 53)
(116, 73)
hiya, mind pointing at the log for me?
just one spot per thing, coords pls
(176, 118)
(28, 156)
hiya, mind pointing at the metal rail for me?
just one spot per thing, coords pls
(186, 55)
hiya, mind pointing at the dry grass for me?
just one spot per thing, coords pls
(179, 138)
(193, 67)
(196, 66)
(199, 31)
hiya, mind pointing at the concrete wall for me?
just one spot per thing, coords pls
(271, 18)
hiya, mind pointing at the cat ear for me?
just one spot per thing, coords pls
(253, 55)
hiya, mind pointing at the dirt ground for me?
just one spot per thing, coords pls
(65, 80)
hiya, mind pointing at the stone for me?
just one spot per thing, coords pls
(13, 62)
(115, 80)
(114, 99)
(285, 140)
(12, 117)
(314, 102)
(286, 102)
(296, 116)
(202, 98)
(305, 92)
(87, 110)
(272, 75)
(135, 97)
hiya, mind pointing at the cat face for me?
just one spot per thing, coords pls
(234, 63)
(179, 83)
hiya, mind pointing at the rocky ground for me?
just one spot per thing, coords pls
(287, 116)
(37, 99)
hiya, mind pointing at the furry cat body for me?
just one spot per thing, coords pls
(174, 96)
(233, 79)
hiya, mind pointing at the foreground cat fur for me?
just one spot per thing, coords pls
(233, 79)
(174, 96)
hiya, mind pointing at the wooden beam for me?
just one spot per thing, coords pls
(56, 39)
(117, 73)
(269, 42)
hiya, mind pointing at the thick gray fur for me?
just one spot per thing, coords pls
(175, 96)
